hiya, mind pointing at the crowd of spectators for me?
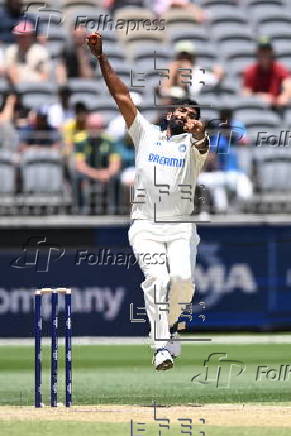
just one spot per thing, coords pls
(95, 149)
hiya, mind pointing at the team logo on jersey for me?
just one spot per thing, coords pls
(182, 148)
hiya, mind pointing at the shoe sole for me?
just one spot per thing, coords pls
(167, 364)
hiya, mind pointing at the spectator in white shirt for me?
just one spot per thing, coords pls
(186, 59)
(26, 60)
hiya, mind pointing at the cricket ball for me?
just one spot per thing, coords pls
(93, 39)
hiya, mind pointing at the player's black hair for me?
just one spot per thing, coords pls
(80, 107)
(191, 103)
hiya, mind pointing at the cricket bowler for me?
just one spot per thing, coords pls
(168, 160)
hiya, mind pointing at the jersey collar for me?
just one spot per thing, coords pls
(174, 138)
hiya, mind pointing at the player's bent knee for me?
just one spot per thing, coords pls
(181, 279)
(154, 281)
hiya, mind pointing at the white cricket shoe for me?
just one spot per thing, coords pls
(174, 346)
(162, 360)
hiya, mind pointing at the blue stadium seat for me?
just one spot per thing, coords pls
(7, 173)
(273, 170)
(42, 171)
(229, 16)
(48, 88)
(288, 117)
(4, 85)
(274, 28)
(206, 57)
(285, 59)
(106, 106)
(231, 47)
(37, 94)
(34, 101)
(80, 4)
(197, 35)
(263, 12)
(179, 16)
(145, 62)
(223, 3)
(251, 102)
(238, 62)
(282, 46)
(256, 118)
(86, 86)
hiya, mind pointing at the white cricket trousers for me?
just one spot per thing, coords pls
(166, 253)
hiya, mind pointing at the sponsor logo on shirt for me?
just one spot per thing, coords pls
(168, 161)
(182, 148)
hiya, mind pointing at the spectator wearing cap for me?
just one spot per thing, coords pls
(75, 59)
(160, 7)
(10, 15)
(266, 77)
(38, 132)
(186, 58)
(26, 60)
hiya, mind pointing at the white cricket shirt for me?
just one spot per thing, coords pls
(166, 173)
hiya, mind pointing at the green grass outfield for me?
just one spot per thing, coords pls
(122, 429)
(123, 374)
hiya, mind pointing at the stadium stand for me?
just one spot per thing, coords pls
(36, 177)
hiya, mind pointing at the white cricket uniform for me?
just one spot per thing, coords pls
(166, 251)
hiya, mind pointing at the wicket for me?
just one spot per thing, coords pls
(54, 345)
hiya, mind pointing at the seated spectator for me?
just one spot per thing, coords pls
(75, 128)
(95, 159)
(222, 174)
(20, 112)
(8, 135)
(10, 15)
(266, 77)
(160, 7)
(26, 60)
(38, 132)
(60, 112)
(75, 59)
(185, 58)
(125, 149)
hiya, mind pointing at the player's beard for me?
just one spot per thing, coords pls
(176, 126)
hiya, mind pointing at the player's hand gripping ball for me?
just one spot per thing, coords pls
(196, 128)
(94, 43)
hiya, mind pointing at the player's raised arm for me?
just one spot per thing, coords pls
(117, 88)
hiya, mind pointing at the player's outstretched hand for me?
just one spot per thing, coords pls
(196, 128)
(94, 43)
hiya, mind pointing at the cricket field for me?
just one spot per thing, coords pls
(215, 389)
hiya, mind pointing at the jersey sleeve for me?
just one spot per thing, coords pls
(199, 158)
(138, 129)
